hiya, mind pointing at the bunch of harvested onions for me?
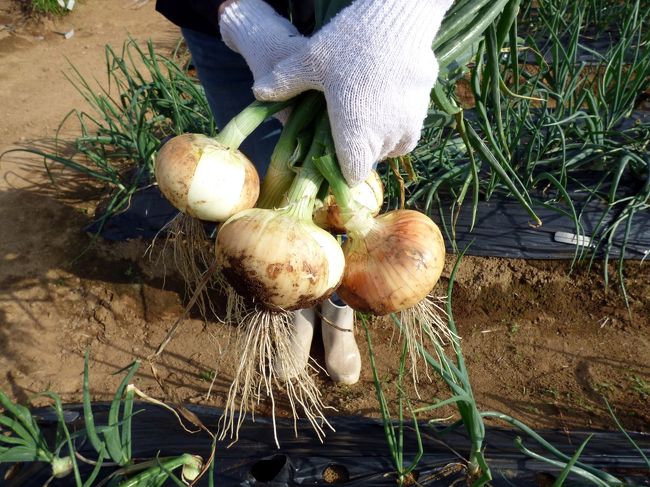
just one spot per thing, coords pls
(281, 261)
(391, 266)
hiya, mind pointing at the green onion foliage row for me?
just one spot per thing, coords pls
(147, 98)
(545, 110)
(21, 440)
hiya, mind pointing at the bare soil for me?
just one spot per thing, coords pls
(543, 344)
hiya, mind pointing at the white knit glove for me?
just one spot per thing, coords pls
(253, 29)
(375, 64)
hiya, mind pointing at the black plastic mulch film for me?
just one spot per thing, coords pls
(355, 455)
(502, 228)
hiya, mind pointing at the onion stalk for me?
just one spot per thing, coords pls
(280, 173)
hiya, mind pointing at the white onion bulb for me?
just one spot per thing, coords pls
(204, 179)
(394, 265)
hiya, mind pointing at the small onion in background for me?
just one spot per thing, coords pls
(204, 179)
(368, 194)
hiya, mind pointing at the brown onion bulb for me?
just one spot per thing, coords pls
(205, 179)
(278, 260)
(395, 265)
(369, 194)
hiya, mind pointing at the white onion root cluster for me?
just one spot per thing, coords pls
(264, 338)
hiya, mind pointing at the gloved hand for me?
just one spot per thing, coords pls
(253, 29)
(375, 65)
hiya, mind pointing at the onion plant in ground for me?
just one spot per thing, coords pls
(146, 98)
(543, 125)
(23, 441)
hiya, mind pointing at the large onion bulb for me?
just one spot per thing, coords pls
(368, 194)
(205, 179)
(280, 261)
(394, 264)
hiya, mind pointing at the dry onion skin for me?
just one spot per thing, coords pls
(392, 261)
(280, 261)
(208, 177)
(369, 194)
(279, 258)
(205, 179)
(393, 264)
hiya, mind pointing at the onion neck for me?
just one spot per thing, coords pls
(302, 194)
(246, 121)
(280, 174)
(304, 190)
(357, 219)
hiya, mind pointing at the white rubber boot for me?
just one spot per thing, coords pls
(303, 325)
(342, 357)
